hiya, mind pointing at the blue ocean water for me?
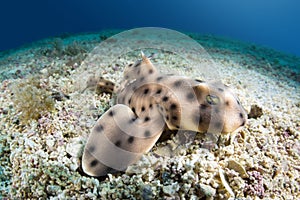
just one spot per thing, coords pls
(271, 23)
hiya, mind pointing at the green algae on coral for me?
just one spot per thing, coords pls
(31, 99)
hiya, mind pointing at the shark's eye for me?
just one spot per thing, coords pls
(212, 99)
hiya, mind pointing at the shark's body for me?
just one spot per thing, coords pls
(148, 103)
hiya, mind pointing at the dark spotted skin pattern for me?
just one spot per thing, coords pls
(147, 103)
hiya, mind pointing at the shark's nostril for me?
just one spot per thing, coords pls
(244, 122)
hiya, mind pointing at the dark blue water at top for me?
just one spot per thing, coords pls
(272, 23)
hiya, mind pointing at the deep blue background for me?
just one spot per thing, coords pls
(272, 23)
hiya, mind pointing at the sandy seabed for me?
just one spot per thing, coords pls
(46, 119)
